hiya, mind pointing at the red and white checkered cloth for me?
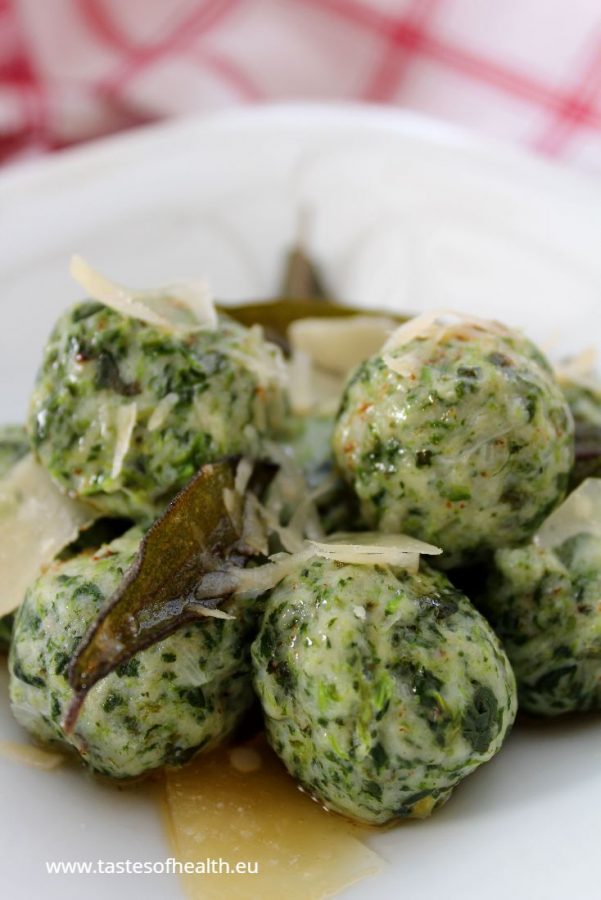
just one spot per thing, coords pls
(527, 71)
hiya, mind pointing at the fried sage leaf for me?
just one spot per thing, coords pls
(172, 579)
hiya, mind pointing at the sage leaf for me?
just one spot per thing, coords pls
(199, 536)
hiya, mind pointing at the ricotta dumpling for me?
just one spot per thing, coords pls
(382, 689)
(544, 604)
(184, 694)
(124, 413)
(457, 434)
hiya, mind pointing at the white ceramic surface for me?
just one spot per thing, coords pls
(403, 212)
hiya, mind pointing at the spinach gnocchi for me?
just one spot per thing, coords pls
(544, 605)
(124, 413)
(458, 435)
(163, 441)
(381, 689)
(182, 695)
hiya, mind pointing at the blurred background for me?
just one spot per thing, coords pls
(523, 71)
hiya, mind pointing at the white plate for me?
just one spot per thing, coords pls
(404, 212)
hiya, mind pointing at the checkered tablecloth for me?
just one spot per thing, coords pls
(526, 71)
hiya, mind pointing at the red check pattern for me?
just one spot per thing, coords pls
(527, 71)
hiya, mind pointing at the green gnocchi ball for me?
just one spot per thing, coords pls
(123, 413)
(546, 607)
(381, 689)
(459, 436)
(182, 695)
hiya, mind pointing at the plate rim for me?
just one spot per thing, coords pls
(371, 118)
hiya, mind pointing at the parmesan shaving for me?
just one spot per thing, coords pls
(291, 537)
(363, 548)
(29, 755)
(324, 350)
(37, 521)
(580, 513)
(252, 580)
(337, 344)
(367, 548)
(218, 583)
(311, 388)
(126, 422)
(288, 500)
(183, 308)
(302, 393)
(209, 613)
(433, 324)
(406, 365)
(231, 501)
(243, 473)
(254, 531)
(162, 410)
(258, 580)
(420, 326)
(242, 804)
(195, 295)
